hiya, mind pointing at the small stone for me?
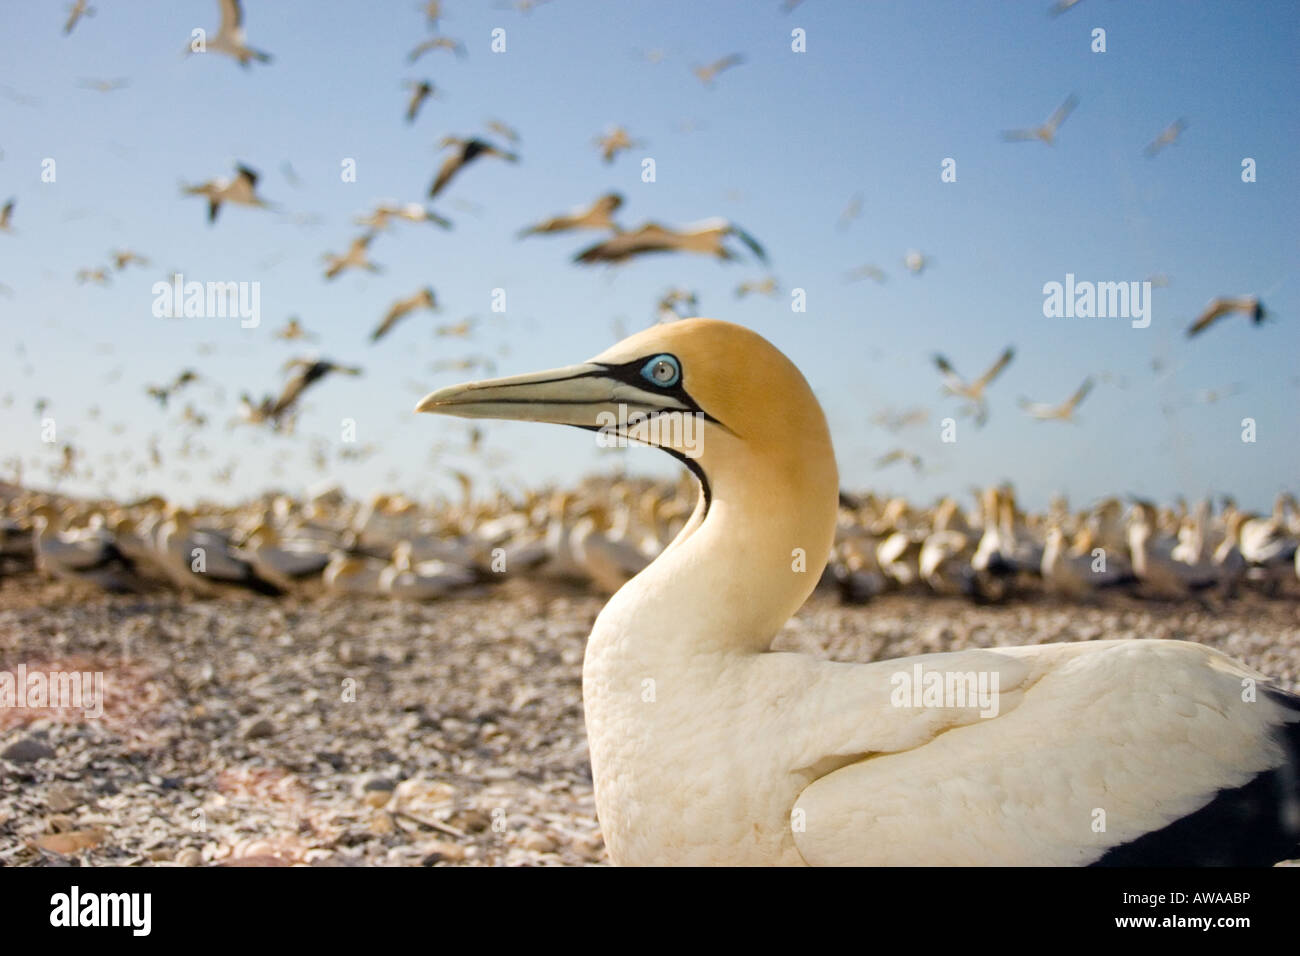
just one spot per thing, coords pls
(536, 842)
(439, 851)
(65, 844)
(27, 750)
(189, 857)
(382, 824)
(62, 797)
(258, 729)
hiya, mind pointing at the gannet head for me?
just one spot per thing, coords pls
(717, 396)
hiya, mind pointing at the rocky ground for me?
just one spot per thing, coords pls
(249, 731)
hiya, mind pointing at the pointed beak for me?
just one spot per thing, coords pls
(564, 396)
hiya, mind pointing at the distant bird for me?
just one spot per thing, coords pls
(1248, 305)
(915, 262)
(1060, 7)
(420, 92)
(615, 141)
(1061, 413)
(241, 191)
(868, 271)
(1167, 137)
(899, 454)
(125, 257)
(851, 212)
(596, 216)
(378, 221)
(163, 393)
(98, 276)
(75, 13)
(705, 238)
(458, 330)
(355, 258)
(973, 391)
(669, 305)
(401, 308)
(433, 13)
(230, 36)
(467, 150)
(508, 133)
(707, 74)
(436, 43)
(308, 373)
(1047, 132)
(6, 217)
(766, 287)
(293, 331)
(896, 421)
(104, 86)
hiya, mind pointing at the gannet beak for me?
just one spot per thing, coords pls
(576, 395)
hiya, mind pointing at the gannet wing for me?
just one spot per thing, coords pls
(1117, 752)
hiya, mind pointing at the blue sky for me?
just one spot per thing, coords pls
(780, 144)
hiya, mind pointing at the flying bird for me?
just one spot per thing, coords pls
(125, 257)
(355, 258)
(98, 276)
(851, 212)
(380, 219)
(292, 331)
(1168, 136)
(867, 271)
(1061, 413)
(615, 141)
(596, 216)
(669, 306)
(707, 74)
(420, 91)
(766, 287)
(163, 393)
(436, 43)
(1060, 7)
(897, 455)
(467, 150)
(705, 238)
(239, 190)
(973, 392)
(423, 299)
(508, 133)
(230, 38)
(841, 763)
(75, 13)
(1248, 305)
(6, 217)
(1047, 132)
(104, 86)
(307, 372)
(916, 262)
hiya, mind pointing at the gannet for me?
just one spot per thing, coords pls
(704, 237)
(767, 287)
(467, 150)
(307, 373)
(973, 392)
(596, 216)
(7, 216)
(240, 190)
(356, 257)
(708, 748)
(420, 91)
(1248, 305)
(436, 43)
(293, 331)
(124, 257)
(104, 86)
(1167, 136)
(868, 271)
(708, 73)
(75, 13)
(423, 299)
(614, 142)
(1047, 132)
(1061, 413)
(230, 36)
(379, 220)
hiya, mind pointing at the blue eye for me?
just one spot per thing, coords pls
(662, 370)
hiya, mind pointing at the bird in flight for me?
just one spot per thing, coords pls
(163, 393)
(403, 307)
(708, 73)
(436, 43)
(125, 257)
(307, 372)
(867, 271)
(293, 331)
(1047, 132)
(1168, 136)
(104, 86)
(973, 392)
(240, 190)
(420, 91)
(355, 258)
(1061, 413)
(467, 150)
(6, 217)
(381, 218)
(705, 238)
(230, 38)
(596, 216)
(614, 142)
(75, 13)
(1248, 305)
(766, 287)
(898, 454)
